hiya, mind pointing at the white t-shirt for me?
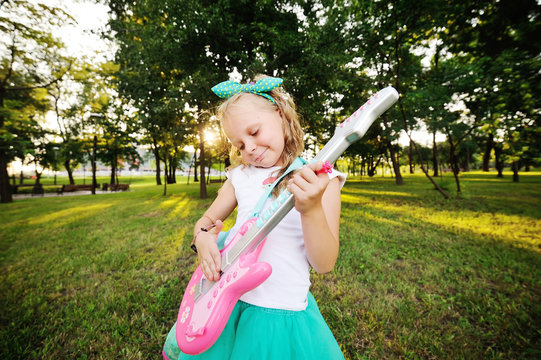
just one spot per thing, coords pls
(287, 286)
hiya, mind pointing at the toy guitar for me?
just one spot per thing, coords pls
(207, 305)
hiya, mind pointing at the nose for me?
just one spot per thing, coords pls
(250, 146)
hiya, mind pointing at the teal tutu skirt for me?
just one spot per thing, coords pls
(257, 333)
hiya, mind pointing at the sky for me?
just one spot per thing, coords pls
(83, 38)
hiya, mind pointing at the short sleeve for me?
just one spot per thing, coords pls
(340, 175)
(229, 172)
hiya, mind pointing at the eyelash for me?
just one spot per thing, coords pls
(252, 134)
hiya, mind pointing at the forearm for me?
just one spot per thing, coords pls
(204, 222)
(321, 244)
(220, 208)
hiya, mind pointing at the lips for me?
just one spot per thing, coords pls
(260, 157)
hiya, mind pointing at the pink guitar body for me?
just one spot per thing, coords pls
(200, 323)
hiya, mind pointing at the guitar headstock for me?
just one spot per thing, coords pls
(355, 126)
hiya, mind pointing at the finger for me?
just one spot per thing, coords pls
(316, 166)
(294, 189)
(217, 263)
(206, 271)
(323, 168)
(210, 274)
(219, 226)
(309, 173)
(300, 181)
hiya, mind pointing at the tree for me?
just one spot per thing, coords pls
(389, 32)
(209, 42)
(501, 38)
(30, 60)
(68, 102)
(118, 141)
(448, 95)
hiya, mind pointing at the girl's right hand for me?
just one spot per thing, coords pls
(207, 250)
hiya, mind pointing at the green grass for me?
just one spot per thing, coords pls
(418, 277)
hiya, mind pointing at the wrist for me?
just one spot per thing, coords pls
(202, 229)
(313, 213)
(314, 209)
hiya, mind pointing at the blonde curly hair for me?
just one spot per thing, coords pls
(293, 133)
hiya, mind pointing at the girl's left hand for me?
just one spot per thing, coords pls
(308, 187)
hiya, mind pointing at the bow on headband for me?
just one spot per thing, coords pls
(229, 88)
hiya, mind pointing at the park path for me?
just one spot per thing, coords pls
(72, 193)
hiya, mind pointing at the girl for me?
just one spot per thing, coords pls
(279, 319)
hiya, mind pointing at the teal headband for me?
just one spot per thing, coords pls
(261, 87)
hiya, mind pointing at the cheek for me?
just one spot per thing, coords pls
(244, 156)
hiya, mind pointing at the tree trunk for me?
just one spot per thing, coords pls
(113, 171)
(195, 163)
(498, 159)
(486, 155)
(410, 158)
(515, 171)
(208, 173)
(157, 159)
(396, 164)
(174, 171)
(67, 165)
(372, 167)
(165, 159)
(171, 173)
(453, 162)
(158, 168)
(94, 182)
(202, 184)
(467, 163)
(38, 175)
(189, 173)
(5, 189)
(434, 154)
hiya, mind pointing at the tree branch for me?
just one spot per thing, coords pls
(41, 86)
(11, 61)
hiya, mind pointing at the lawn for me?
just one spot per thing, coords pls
(418, 277)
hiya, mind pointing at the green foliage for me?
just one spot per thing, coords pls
(30, 60)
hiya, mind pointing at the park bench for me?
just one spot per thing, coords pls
(72, 188)
(37, 189)
(118, 187)
(15, 188)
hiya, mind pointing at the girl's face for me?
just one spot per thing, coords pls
(256, 130)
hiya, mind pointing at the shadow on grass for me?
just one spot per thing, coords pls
(521, 200)
(405, 287)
